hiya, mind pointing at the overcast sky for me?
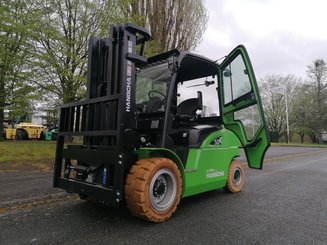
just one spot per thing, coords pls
(281, 36)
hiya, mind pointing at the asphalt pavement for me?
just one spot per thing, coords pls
(285, 203)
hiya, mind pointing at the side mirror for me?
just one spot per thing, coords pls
(227, 73)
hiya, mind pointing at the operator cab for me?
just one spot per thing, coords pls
(186, 84)
(181, 98)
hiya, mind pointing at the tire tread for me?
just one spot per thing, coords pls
(136, 188)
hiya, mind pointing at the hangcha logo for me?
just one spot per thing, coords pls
(128, 94)
(129, 79)
(213, 173)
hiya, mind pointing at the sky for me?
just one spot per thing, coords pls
(281, 36)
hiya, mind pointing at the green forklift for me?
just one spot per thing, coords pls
(161, 128)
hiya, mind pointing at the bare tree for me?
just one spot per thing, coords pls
(173, 24)
(303, 113)
(317, 86)
(274, 103)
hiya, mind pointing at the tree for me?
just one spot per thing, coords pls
(65, 26)
(301, 111)
(173, 24)
(15, 28)
(61, 44)
(273, 100)
(50, 111)
(317, 92)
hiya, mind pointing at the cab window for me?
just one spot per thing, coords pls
(208, 87)
(236, 80)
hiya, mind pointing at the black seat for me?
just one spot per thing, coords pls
(187, 108)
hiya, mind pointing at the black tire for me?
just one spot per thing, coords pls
(153, 189)
(83, 196)
(21, 135)
(54, 136)
(235, 179)
(42, 136)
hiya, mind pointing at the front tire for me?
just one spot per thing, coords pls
(153, 189)
(21, 135)
(235, 179)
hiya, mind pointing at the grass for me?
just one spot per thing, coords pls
(34, 151)
(27, 156)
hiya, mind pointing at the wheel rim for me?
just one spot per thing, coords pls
(237, 176)
(163, 189)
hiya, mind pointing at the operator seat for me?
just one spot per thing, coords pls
(186, 110)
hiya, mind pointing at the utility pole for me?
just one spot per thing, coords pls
(287, 123)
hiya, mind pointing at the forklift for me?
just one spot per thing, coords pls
(158, 129)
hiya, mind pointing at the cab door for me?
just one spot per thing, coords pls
(240, 105)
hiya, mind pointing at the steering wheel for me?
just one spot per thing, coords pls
(152, 92)
(155, 102)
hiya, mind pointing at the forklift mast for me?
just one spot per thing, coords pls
(105, 120)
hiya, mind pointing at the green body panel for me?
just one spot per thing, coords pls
(206, 167)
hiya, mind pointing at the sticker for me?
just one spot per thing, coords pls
(216, 141)
(130, 47)
(104, 176)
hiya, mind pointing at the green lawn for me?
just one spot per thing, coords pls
(16, 151)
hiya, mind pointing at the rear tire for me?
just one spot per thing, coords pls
(153, 189)
(235, 179)
(42, 136)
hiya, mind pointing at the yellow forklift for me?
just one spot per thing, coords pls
(24, 131)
